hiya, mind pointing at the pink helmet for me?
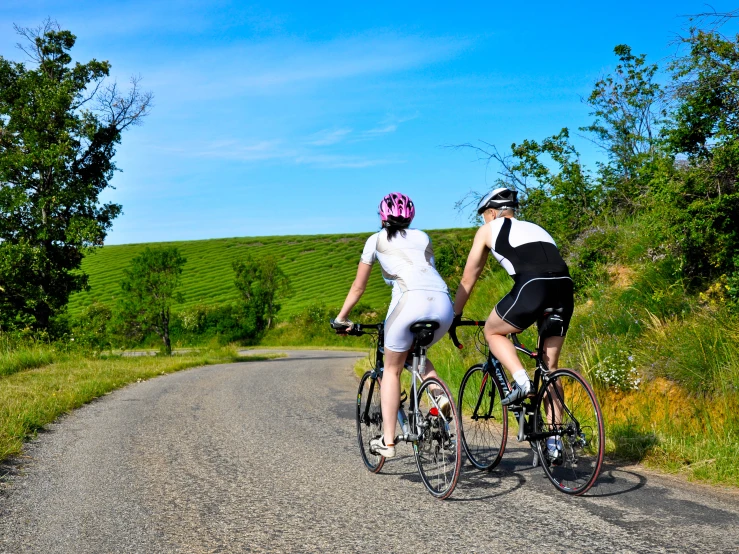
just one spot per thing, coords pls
(397, 206)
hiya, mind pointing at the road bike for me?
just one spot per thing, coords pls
(561, 404)
(431, 430)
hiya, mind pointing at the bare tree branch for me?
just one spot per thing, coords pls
(119, 110)
(32, 34)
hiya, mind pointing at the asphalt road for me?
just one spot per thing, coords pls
(261, 456)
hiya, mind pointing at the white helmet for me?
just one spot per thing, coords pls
(499, 198)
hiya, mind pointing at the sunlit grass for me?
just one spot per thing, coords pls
(13, 361)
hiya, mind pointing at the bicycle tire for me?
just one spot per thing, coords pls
(369, 421)
(580, 422)
(483, 422)
(438, 451)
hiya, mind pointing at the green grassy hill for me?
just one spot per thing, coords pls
(320, 267)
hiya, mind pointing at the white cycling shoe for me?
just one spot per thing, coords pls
(444, 405)
(517, 394)
(379, 448)
(554, 450)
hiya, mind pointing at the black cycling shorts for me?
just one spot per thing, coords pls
(532, 294)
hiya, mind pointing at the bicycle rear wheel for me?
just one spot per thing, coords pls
(369, 420)
(570, 409)
(438, 451)
(483, 422)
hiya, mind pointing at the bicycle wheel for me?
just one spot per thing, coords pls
(438, 452)
(568, 407)
(483, 422)
(369, 420)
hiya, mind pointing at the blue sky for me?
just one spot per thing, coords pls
(296, 118)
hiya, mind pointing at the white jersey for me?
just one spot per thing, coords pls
(407, 261)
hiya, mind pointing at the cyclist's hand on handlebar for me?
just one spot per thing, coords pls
(342, 327)
(457, 319)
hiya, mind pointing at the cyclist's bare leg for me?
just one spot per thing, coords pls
(495, 332)
(550, 355)
(390, 392)
(551, 350)
(431, 372)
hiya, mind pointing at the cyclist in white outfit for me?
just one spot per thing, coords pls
(406, 259)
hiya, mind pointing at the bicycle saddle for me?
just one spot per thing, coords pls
(550, 323)
(424, 331)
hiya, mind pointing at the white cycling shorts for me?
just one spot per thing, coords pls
(413, 306)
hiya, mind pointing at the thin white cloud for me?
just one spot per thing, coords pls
(271, 150)
(287, 66)
(237, 150)
(328, 161)
(382, 130)
(327, 137)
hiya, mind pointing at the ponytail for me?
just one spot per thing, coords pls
(395, 225)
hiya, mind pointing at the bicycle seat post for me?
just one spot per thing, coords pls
(422, 360)
(423, 332)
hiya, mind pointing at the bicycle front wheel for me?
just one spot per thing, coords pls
(438, 452)
(483, 422)
(569, 412)
(369, 420)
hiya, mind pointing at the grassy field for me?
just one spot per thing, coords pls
(320, 267)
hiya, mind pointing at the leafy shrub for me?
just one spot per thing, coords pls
(589, 255)
(92, 328)
(226, 323)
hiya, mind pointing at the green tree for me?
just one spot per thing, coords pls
(700, 200)
(261, 284)
(628, 107)
(707, 95)
(149, 290)
(558, 192)
(59, 125)
(555, 189)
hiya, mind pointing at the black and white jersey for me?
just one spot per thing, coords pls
(524, 248)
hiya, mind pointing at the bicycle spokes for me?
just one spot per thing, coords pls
(569, 413)
(369, 420)
(483, 420)
(437, 450)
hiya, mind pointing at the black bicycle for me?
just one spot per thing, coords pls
(430, 426)
(562, 405)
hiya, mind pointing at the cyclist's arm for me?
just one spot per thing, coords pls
(473, 268)
(356, 291)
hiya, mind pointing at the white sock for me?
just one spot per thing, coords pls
(522, 379)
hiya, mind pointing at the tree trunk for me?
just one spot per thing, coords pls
(165, 334)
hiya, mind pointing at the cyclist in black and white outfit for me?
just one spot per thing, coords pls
(541, 280)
